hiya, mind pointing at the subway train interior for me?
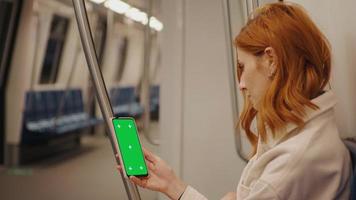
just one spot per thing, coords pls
(67, 67)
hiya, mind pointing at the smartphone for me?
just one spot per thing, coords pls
(130, 149)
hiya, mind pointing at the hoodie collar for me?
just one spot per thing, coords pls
(325, 102)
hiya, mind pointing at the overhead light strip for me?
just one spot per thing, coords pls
(131, 12)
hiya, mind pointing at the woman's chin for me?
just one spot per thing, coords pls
(254, 105)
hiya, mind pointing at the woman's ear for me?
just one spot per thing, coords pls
(272, 60)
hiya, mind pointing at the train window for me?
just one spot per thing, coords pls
(100, 38)
(122, 58)
(53, 53)
(5, 14)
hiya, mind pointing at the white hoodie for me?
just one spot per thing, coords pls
(311, 163)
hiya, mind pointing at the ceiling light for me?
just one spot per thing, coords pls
(117, 6)
(97, 1)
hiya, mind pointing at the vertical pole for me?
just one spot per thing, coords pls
(99, 85)
(232, 79)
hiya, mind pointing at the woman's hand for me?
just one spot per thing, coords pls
(230, 196)
(161, 177)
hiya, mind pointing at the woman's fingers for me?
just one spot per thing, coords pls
(119, 168)
(139, 182)
(151, 166)
(149, 156)
(117, 156)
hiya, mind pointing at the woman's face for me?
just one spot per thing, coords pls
(255, 75)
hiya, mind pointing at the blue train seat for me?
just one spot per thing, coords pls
(351, 145)
(123, 101)
(47, 116)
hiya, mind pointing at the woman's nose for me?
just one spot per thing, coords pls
(242, 85)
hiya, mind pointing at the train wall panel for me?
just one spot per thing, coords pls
(201, 145)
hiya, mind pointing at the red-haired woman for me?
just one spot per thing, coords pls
(283, 67)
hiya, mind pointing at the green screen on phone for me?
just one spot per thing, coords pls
(130, 148)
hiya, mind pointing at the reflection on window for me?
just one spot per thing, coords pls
(122, 58)
(57, 35)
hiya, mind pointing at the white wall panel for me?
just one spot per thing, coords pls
(210, 160)
(201, 140)
(134, 63)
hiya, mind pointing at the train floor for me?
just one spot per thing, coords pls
(87, 172)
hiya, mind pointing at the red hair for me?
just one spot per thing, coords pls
(302, 67)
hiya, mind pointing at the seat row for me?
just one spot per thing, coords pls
(125, 102)
(54, 112)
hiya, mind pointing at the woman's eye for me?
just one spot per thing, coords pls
(240, 68)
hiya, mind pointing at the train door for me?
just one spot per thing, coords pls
(9, 15)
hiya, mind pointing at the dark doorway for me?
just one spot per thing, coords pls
(9, 16)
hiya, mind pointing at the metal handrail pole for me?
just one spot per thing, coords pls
(99, 85)
(232, 79)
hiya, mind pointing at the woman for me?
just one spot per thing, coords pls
(283, 68)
